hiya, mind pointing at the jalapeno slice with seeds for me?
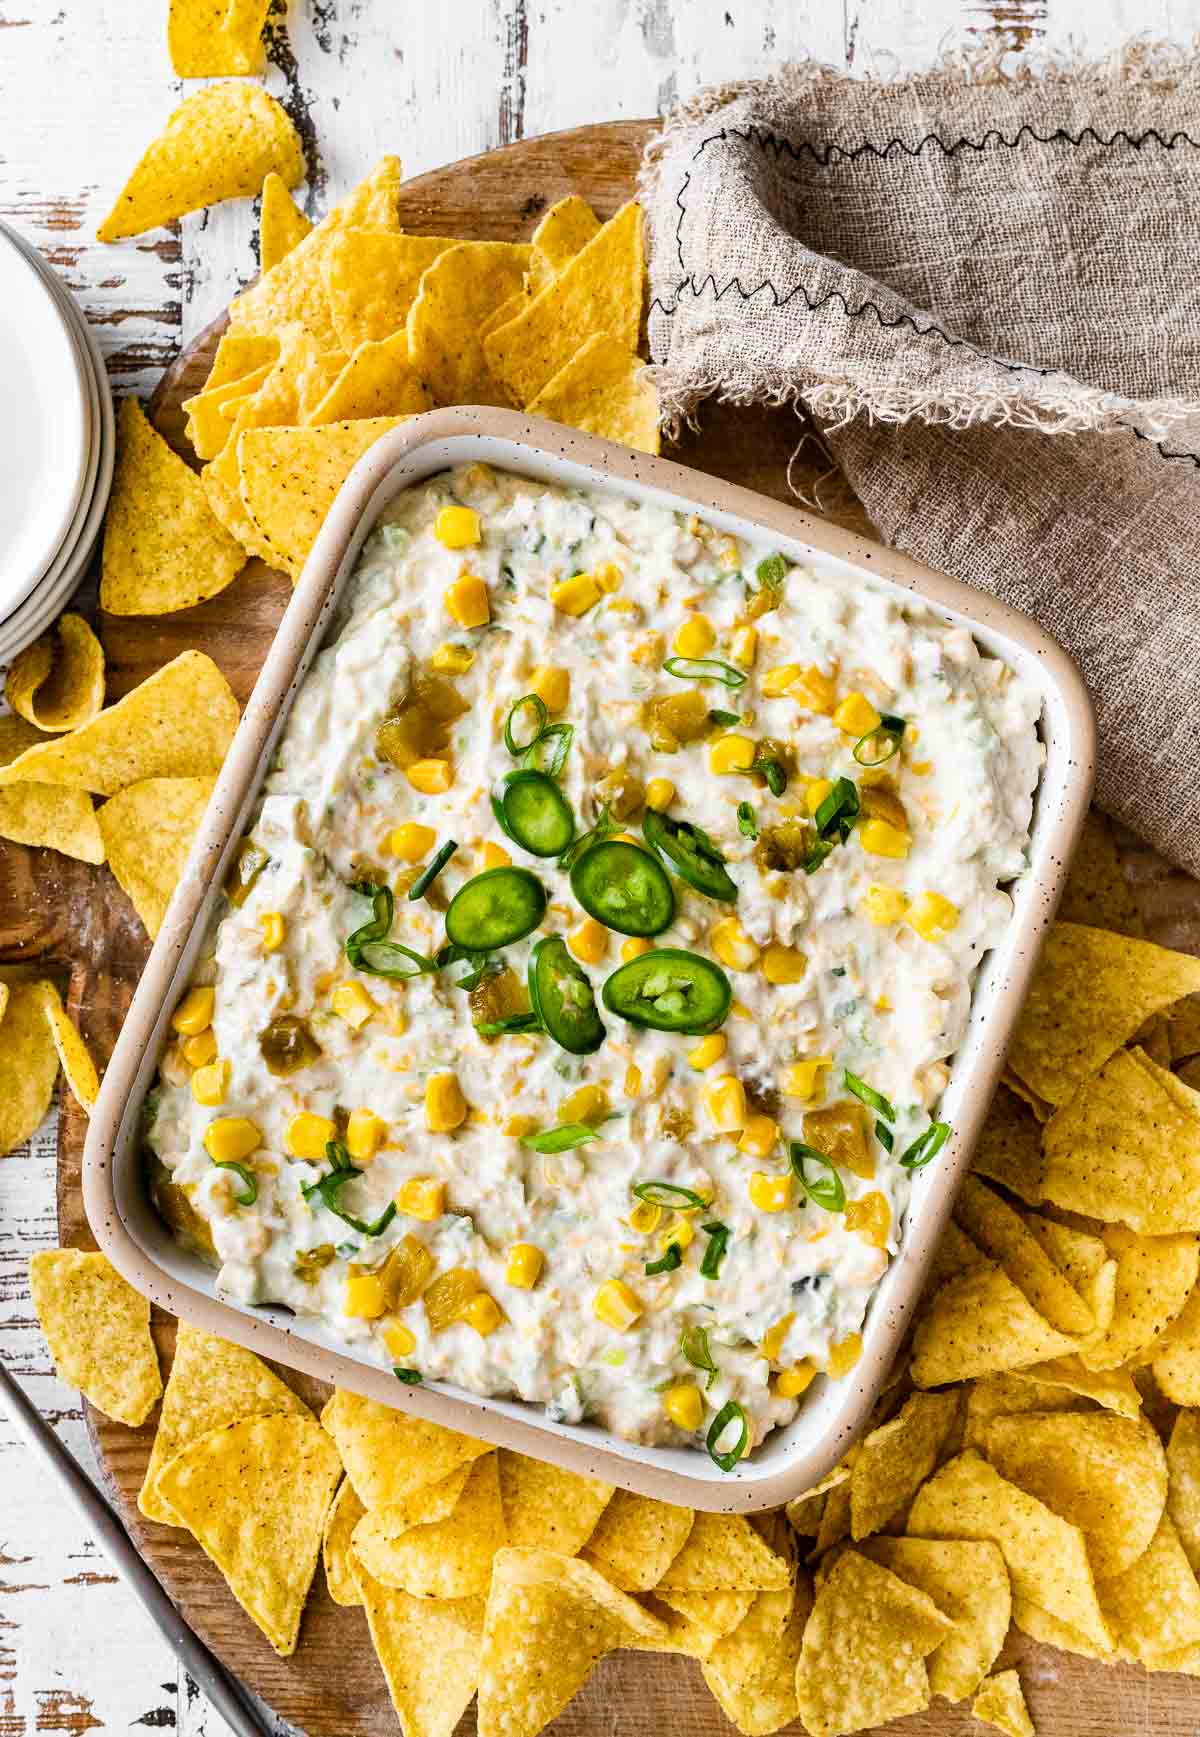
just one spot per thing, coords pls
(691, 853)
(562, 997)
(534, 813)
(624, 887)
(495, 909)
(669, 989)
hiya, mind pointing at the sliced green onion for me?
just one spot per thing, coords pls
(549, 752)
(868, 1095)
(410, 1377)
(432, 870)
(540, 716)
(667, 1262)
(368, 948)
(824, 1190)
(513, 1022)
(730, 1411)
(884, 1135)
(837, 814)
(668, 1194)
(775, 773)
(772, 571)
(747, 825)
(718, 1235)
(693, 1346)
(724, 719)
(604, 825)
(247, 1178)
(881, 742)
(560, 1139)
(326, 1191)
(925, 1147)
(705, 669)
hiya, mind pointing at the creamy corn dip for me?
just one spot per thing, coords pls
(748, 837)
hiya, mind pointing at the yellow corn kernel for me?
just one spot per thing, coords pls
(725, 1103)
(483, 1313)
(495, 855)
(445, 1106)
(844, 1356)
(777, 681)
(229, 1139)
(783, 964)
(881, 838)
(366, 1297)
(467, 601)
(739, 1010)
(709, 1050)
(308, 1135)
(772, 1340)
(518, 1125)
(576, 595)
(921, 768)
(883, 905)
(770, 1193)
(195, 1011)
(210, 1083)
(452, 660)
(856, 715)
(732, 946)
(645, 1217)
(815, 690)
(456, 527)
(731, 754)
(815, 793)
(680, 1230)
(199, 1050)
(552, 686)
(633, 1081)
(351, 1002)
(648, 649)
(684, 1406)
(616, 1305)
(422, 1197)
(430, 777)
(589, 942)
(364, 1131)
(399, 1339)
(635, 947)
(759, 1137)
(800, 1080)
(791, 1383)
(589, 1104)
(523, 1267)
(274, 928)
(871, 1217)
(660, 793)
(412, 841)
(744, 645)
(609, 577)
(729, 555)
(695, 637)
(932, 916)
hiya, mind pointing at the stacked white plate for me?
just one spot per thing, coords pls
(56, 445)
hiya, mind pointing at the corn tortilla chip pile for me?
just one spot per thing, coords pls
(37, 1037)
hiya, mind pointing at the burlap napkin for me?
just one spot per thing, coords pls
(987, 289)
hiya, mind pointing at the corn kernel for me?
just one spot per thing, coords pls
(732, 946)
(609, 577)
(483, 1313)
(729, 555)
(921, 768)
(680, 1230)
(422, 1197)
(456, 527)
(684, 1406)
(770, 1193)
(445, 1106)
(791, 1383)
(744, 645)
(932, 916)
(576, 595)
(635, 947)
(210, 1083)
(366, 1297)
(883, 905)
(660, 793)
(881, 838)
(467, 601)
(452, 660)
(616, 1305)
(777, 681)
(856, 715)
(308, 1135)
(844, 1356)
(695, 637)
(589, 942)
(645, 1217)
(523, 1267)
(201, 1049)
(518, 1125)
(815, 793)
(772, 1340)
(589, 1104)
(229, 1139)
(783, 964)
(430, 777)
(709, 1050)
(759, 1137)
(412, 842)
(871, 1217)
(731, 754)
(633, 1081)
(195, 1011)
(739, 1010)
(399, 1339)
(274, 929)
(351, 1002)
(800, 1080)
(364, 1131)
(495, 856)
(725, 1103)
(815, 690)
(552, 686)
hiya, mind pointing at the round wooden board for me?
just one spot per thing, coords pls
(72, 918)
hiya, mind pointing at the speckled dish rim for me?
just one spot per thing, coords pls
(129, 1231)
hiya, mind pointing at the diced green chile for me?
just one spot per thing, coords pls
(691, 853)
(624, 887)
(669, 989)
(562, 996)
(534, 813)
(496, 908)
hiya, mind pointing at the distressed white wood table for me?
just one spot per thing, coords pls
(82, 88)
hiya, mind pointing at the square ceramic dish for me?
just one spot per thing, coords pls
(139, 1243)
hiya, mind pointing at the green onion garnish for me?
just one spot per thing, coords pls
(512, 1022)
(880, 744)
(824, 1190)
(604, 825)
(410, 1377)
(724, 719)
(560, 1139)
(549, 752)
(884, 1135)
(772, 571)
(537, 707)
(728, 1413)
(868, 1095)
(693, 1346)
(718, 1235)
(326, 1191)
(705, 669)
(926, 1146)
(838, 812)
(432, 870)
(368, 948)
(747, 825)
(248, 1194)
(668, 1194)
(667, 1262)
(775, 773)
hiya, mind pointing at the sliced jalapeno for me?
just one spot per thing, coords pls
(562, 997)
(625, 888)
(534, 813)
(691, 853)
(669, 989)
(495, 908)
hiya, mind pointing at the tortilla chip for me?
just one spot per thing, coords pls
(636, 1539)
(1183, 1029)
(1153, 1608)
(208, 426)
(599, 390)
(804, 1515)
(1045, 1555)
(216, 38)
(57, 683)
(1011, 1395)
(504, 313)
(752, 1670)
(969, 1583)
(1114, 1389)
(211, 1384)
(97, 1326)
(549, 1620)
(449, 1558)
(163, 549)
(457, 293)
(77, 1064)
(600, 290)
(896, 1459)
(1001, 1232)
(378, 380)
(28, 1066)
(1183, 1483)
(254, 1495)
(226, 504)
(981, 1324)
(862, 1661)
(148, 830)
(1032, 1620)
(1155, 1038)
(1097, 893)
(1176, 1363)
(240, 354)
(1010, 1147)
(568, 225)
(695, 1621)
(44, 814)
(297, 383)
(955, 1254)
(337, 1557)
(1155, 1275)
(388, 1455)
(220, 143)
(1091, 992)
(835, 1519)
(375, 202)
(281, 224)
(546, 1508)
(371, 279)
(1001, 1703)
(291, 476)
(428, 1651)
(723, 1552)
